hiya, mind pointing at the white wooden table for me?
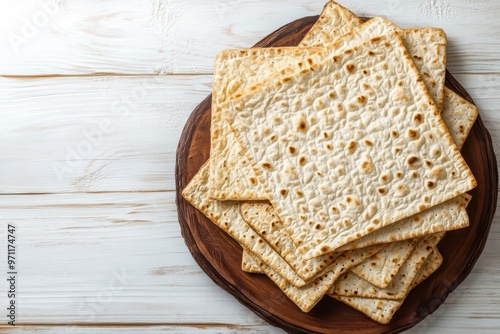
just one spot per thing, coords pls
(93, 98)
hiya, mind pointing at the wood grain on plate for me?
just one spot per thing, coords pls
(220, 256)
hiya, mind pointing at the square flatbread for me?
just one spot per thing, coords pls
(358, 132)
(231, 177)
(459, 124)
(459, 127)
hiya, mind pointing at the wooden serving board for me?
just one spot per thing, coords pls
(220, 256)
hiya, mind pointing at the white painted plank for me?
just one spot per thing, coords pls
(180, 329)
(86, 134)
(167, 36)
(134, 36)
(83, 36)
(109, 258)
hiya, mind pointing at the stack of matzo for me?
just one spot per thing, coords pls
(336, 164)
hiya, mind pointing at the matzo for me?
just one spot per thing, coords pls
(448, 216)
(427, 48)
(445, 217)
(433, 262)
(380, 310)
(231, 176)
(349, 132)
(380, 269)
(249, 265)
(459, 116)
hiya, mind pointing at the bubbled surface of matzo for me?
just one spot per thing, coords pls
(359, 132)
(249, 265)
(380, 310)
(447, 216)
(235, 71)
(335, 21)
(381, 268)
(432, 264)
(427, 48)
(459, 116)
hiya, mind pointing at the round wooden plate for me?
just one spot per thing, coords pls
(220, 256)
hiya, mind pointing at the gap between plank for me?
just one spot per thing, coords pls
(89, 192)
(45, 76)
(137, 325)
